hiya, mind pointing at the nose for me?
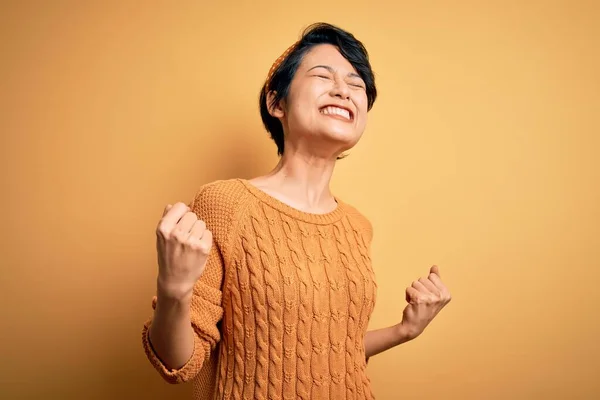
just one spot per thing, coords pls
(340, 90)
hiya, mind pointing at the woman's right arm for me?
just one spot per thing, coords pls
(183, 330)
(171, 334)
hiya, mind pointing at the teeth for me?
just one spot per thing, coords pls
(336, 111)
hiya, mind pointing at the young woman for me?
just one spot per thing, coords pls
(265, 286)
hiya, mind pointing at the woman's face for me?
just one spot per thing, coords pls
(327, 102)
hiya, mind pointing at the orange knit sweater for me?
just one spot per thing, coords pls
(282, 307)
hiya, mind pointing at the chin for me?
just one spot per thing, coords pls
(343, 141)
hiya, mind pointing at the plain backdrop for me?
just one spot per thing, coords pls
(480, 155)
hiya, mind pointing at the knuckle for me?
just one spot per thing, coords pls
(179, 235)
(180, 204)
(204, 247)
(193, 244)
(162, 231)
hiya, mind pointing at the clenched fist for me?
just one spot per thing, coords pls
(426, 298)
(183, 244)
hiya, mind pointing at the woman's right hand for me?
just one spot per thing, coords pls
(183, 244)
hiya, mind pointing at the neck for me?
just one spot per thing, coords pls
(302, 180)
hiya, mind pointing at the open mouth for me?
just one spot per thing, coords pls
(340, 112)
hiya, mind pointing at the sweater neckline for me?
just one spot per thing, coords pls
(295, 213)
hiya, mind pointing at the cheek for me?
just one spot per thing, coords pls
(361, 107)
(299, 116)
(303, 107)
(299, 97)
(361, 100)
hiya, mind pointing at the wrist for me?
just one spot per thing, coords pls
(403, 333)
(173, 294)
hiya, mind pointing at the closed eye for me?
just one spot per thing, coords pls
(357, 85)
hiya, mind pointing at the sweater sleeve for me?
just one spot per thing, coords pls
(206, 308)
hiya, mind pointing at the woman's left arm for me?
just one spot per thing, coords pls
(426, 297)
(379, 340)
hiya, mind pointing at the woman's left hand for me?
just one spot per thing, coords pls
(426, 298)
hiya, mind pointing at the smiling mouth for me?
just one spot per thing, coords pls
(339, 112)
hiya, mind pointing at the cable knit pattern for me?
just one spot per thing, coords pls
(283, 305)
(303, 351)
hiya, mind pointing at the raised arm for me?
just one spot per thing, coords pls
(182, 332)
(426, 297)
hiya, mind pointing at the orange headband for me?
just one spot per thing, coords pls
(277, 64)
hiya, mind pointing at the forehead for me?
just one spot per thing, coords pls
(326, 54)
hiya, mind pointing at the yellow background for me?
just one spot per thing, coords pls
(480, 155)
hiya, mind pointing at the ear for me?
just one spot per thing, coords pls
(276, 110)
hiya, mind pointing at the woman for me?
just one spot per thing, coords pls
(265, 286)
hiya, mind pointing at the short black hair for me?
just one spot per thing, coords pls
(319, 33)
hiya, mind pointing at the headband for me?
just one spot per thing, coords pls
(277, 64)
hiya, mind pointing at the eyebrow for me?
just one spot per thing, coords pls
(330, 69)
